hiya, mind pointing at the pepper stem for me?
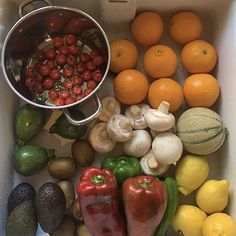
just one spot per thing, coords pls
(98, 179)
(144, 185)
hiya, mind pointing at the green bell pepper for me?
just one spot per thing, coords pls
(123, 167)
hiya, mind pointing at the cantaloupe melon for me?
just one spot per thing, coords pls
(201, 130)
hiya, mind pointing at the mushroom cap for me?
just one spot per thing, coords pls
(167, 148)
(154, 133)
(119, 128)
(136, 112)
(110, 107)
(161, 169)
(139, 144)
(100, 140)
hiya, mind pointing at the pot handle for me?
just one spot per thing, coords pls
(27, 2)
(88, 119)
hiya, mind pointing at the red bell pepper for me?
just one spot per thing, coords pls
(145, 200)
(98, 196)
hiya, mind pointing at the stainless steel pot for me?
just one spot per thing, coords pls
(30, 33)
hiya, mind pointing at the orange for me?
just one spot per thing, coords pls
(185, 26)
(168, 90)
(130, 86)
(147, 28)
(160, 61)
(201, 90)
(199, 56)
(124, 55)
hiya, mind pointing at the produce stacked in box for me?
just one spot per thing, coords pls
(131, 193)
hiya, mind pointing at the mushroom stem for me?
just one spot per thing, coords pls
(124, 124)
(111, 106)
(152, 163)
(135, 110)
(164, 107)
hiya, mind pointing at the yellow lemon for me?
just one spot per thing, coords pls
(189, 220)
(213, 196)
(219, 224)
(191, 172)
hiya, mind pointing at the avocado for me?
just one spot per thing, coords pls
(30, 160)
(50, 204)
(22, 220)
(67, 130)
(22, 192)
(29, 121)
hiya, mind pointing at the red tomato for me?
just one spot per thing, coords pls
(59, 102)
(69, 100)
(48, 83)
(93, 53)
(87, 91)
(74, 50)
(84, 57)
(98, 60)
(68, 71)
(67, 84)
(77, 90)
(44, 70)
(57, 42)
(40, 55)
(53, 94)
(91, 84)
(71, 60)
(50, 53)
(64, 94)
(87, 75)
(90, 65)
(70, 39)
(50, 63)
(78, 80)
(79, 97)
(30, 82)
(64, 50)
(80, 68)
(54, 22)
(97, 76)
(55, 74)
(38, 87)
(29, 72)
(61, 59)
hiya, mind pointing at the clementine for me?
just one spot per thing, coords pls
(130, 86)
(199, 56)
(147, 28)
(160, 61)
(124, 55)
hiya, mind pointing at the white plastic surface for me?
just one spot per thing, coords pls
(219, 20)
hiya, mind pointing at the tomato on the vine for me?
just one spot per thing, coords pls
(59, 102)
(50, 53)
(70, 39)
(50, 63)
(84, 57)
(68, 71)
(74, 50)
(30, 82)
(44, 70)
(87, 75)
(69, 100)
(55, 74)
(53, 94)
(57, 41)
(64, 94)
(29, 72)
(48, 83)
(78, 80)
(71, 60)
(64, 50)
(61, 59)
(67, 84)
(77, 90)
(90, 65)
(87, 91)
(97, 76)
(91, 84)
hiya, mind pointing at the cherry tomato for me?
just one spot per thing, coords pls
(90, 65)
(48, 83)
(71, 60)
(61, 59)
(80, 68)
(98, 60)
(59, 102)
(79, 97)
(78, 80)
(70, 39)
(67, 84)
(38, 87)
(40, 55)
(93, 53)
(55, 74)
(69, 100)
(87, 91)
(30, 82)
(87, 75)
(53, 94)
(50, 53)
(68, 71)
(50, 63)
(91, 84)
(84, 57)
(44, 70)
(64, 94)
(55, 22)
(74, 50)
(39, 78)
(77, 90)
(64, 50)
(97, 76)
(29, 72)
(57, 42)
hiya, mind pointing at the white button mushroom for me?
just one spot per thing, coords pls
(119, 128)
(150, 166)
(136, 112)
(139, 144)
(110, 107)
(154, 133)
(160, 119)
(100, 140)
(167, 148)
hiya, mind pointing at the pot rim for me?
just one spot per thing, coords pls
(48, 8)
